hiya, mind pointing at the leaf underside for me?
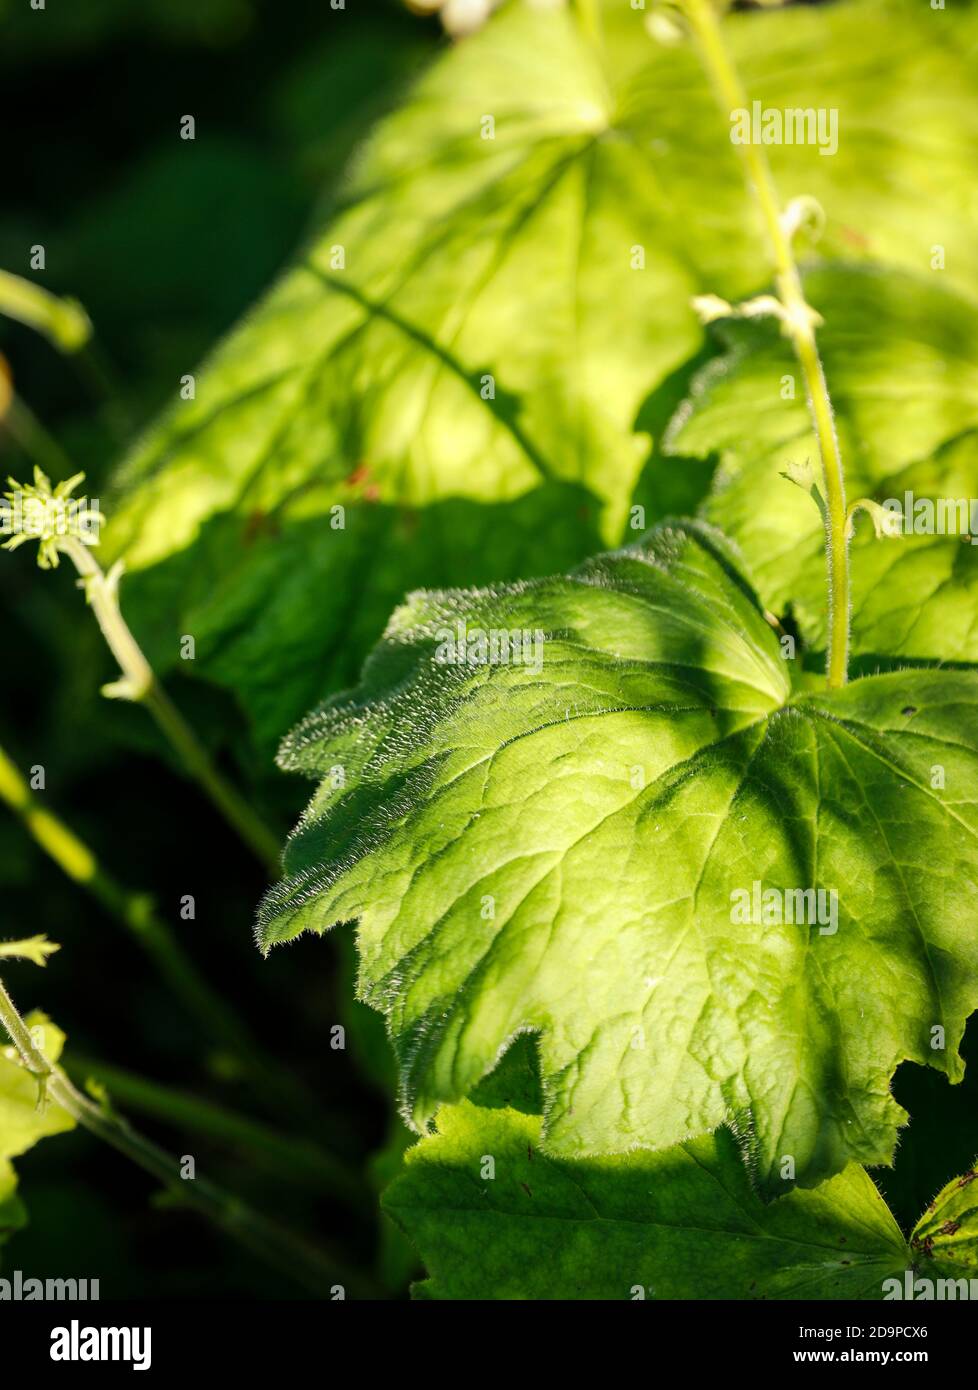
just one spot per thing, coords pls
(469, 383)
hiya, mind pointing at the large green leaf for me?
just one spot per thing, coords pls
(681, 1224)
(901, 360)
(366, 386)
(555, 847)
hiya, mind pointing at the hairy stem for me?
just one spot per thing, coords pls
(312, 1267)
(297, 1160)
(799, 325)
(139, 683)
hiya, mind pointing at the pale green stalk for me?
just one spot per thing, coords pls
(292, 1255)
(799, 322)
(66, 325)
(281, 1090)
(139, 683)
(62, 321)
(294, 1160)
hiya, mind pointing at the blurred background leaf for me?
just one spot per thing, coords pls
(470, 354)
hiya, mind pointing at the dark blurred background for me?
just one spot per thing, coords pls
(166, 243)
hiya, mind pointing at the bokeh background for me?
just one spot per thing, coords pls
(166, 243)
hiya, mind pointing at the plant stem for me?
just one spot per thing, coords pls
(315, 1269)
(799, 325)
(140, 684)
(66, 325)
(281, 1090)
(297, 1160)
(62, 321)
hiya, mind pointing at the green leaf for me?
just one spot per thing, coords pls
(515, 1083)
(901, 361)
(366, 385)
(25, 1116)
(560, 845)
(947, 1233)
(683, 1224)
